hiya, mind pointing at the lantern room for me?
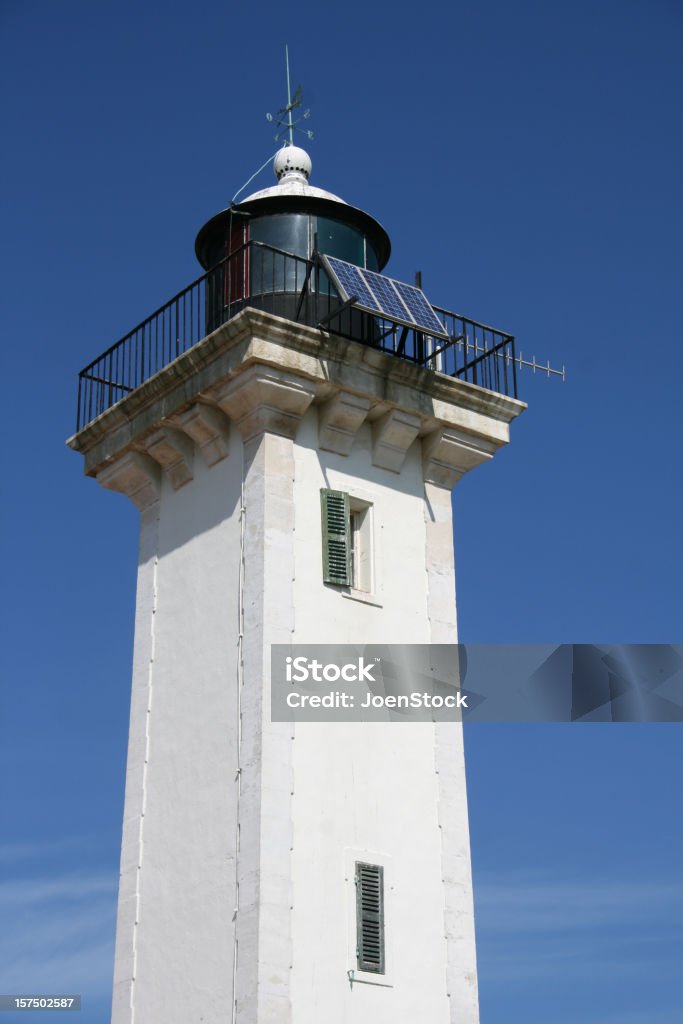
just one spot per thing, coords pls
(262, 248)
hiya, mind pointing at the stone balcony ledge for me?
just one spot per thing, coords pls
(350, 382)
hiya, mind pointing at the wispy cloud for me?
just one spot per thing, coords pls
(20, 852)
(518, 904)
(58, 933)
(28, 893)
(635, 1017)
(543, 928)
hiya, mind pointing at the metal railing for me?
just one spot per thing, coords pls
(477, 353)
(260, 276)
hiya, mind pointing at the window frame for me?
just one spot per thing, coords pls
(335, 516)
(367, 918)
(353, 855)
(357, 539)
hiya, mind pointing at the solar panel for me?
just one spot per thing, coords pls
(417, 304)
(348, 276)
(389, 299)
(375, 293)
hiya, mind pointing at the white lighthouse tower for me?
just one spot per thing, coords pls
(279, 873)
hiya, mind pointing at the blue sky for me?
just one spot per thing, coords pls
(527, 158)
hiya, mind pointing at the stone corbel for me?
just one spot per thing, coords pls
(265, 400)
(209, 428)
(392, 435)
(448, 454)
(339, 421)
(135, 475)
(174, 453)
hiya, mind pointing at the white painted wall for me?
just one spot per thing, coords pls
(174, 947)
(322, 612)
(370, 791)
(311, 799)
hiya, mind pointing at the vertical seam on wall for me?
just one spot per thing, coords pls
(238, 767)
(292, 737)
(443, 881)
(441, 751)
(141, 828)
(428, 572)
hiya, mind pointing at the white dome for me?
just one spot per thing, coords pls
(292, 166)
(292, 160)
(293, 185)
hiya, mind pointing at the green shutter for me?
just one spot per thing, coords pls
(370, 917)
(336, 522)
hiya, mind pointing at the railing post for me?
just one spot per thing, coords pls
(514, 366)
(227, 280)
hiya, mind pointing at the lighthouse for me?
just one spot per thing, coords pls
(290, 427)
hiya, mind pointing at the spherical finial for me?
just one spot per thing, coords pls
(292, 160)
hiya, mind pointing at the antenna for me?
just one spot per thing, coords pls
(283, 119)
(547, 369)
(289, 98)
(550, 371)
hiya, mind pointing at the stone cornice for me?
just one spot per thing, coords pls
(318, 364)
(135, 475)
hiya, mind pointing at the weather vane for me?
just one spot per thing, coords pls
(283, 119)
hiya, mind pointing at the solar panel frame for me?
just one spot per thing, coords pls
(390, 302)
(415, 297)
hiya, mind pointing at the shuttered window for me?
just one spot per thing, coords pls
(370, 917)
(337, 548)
